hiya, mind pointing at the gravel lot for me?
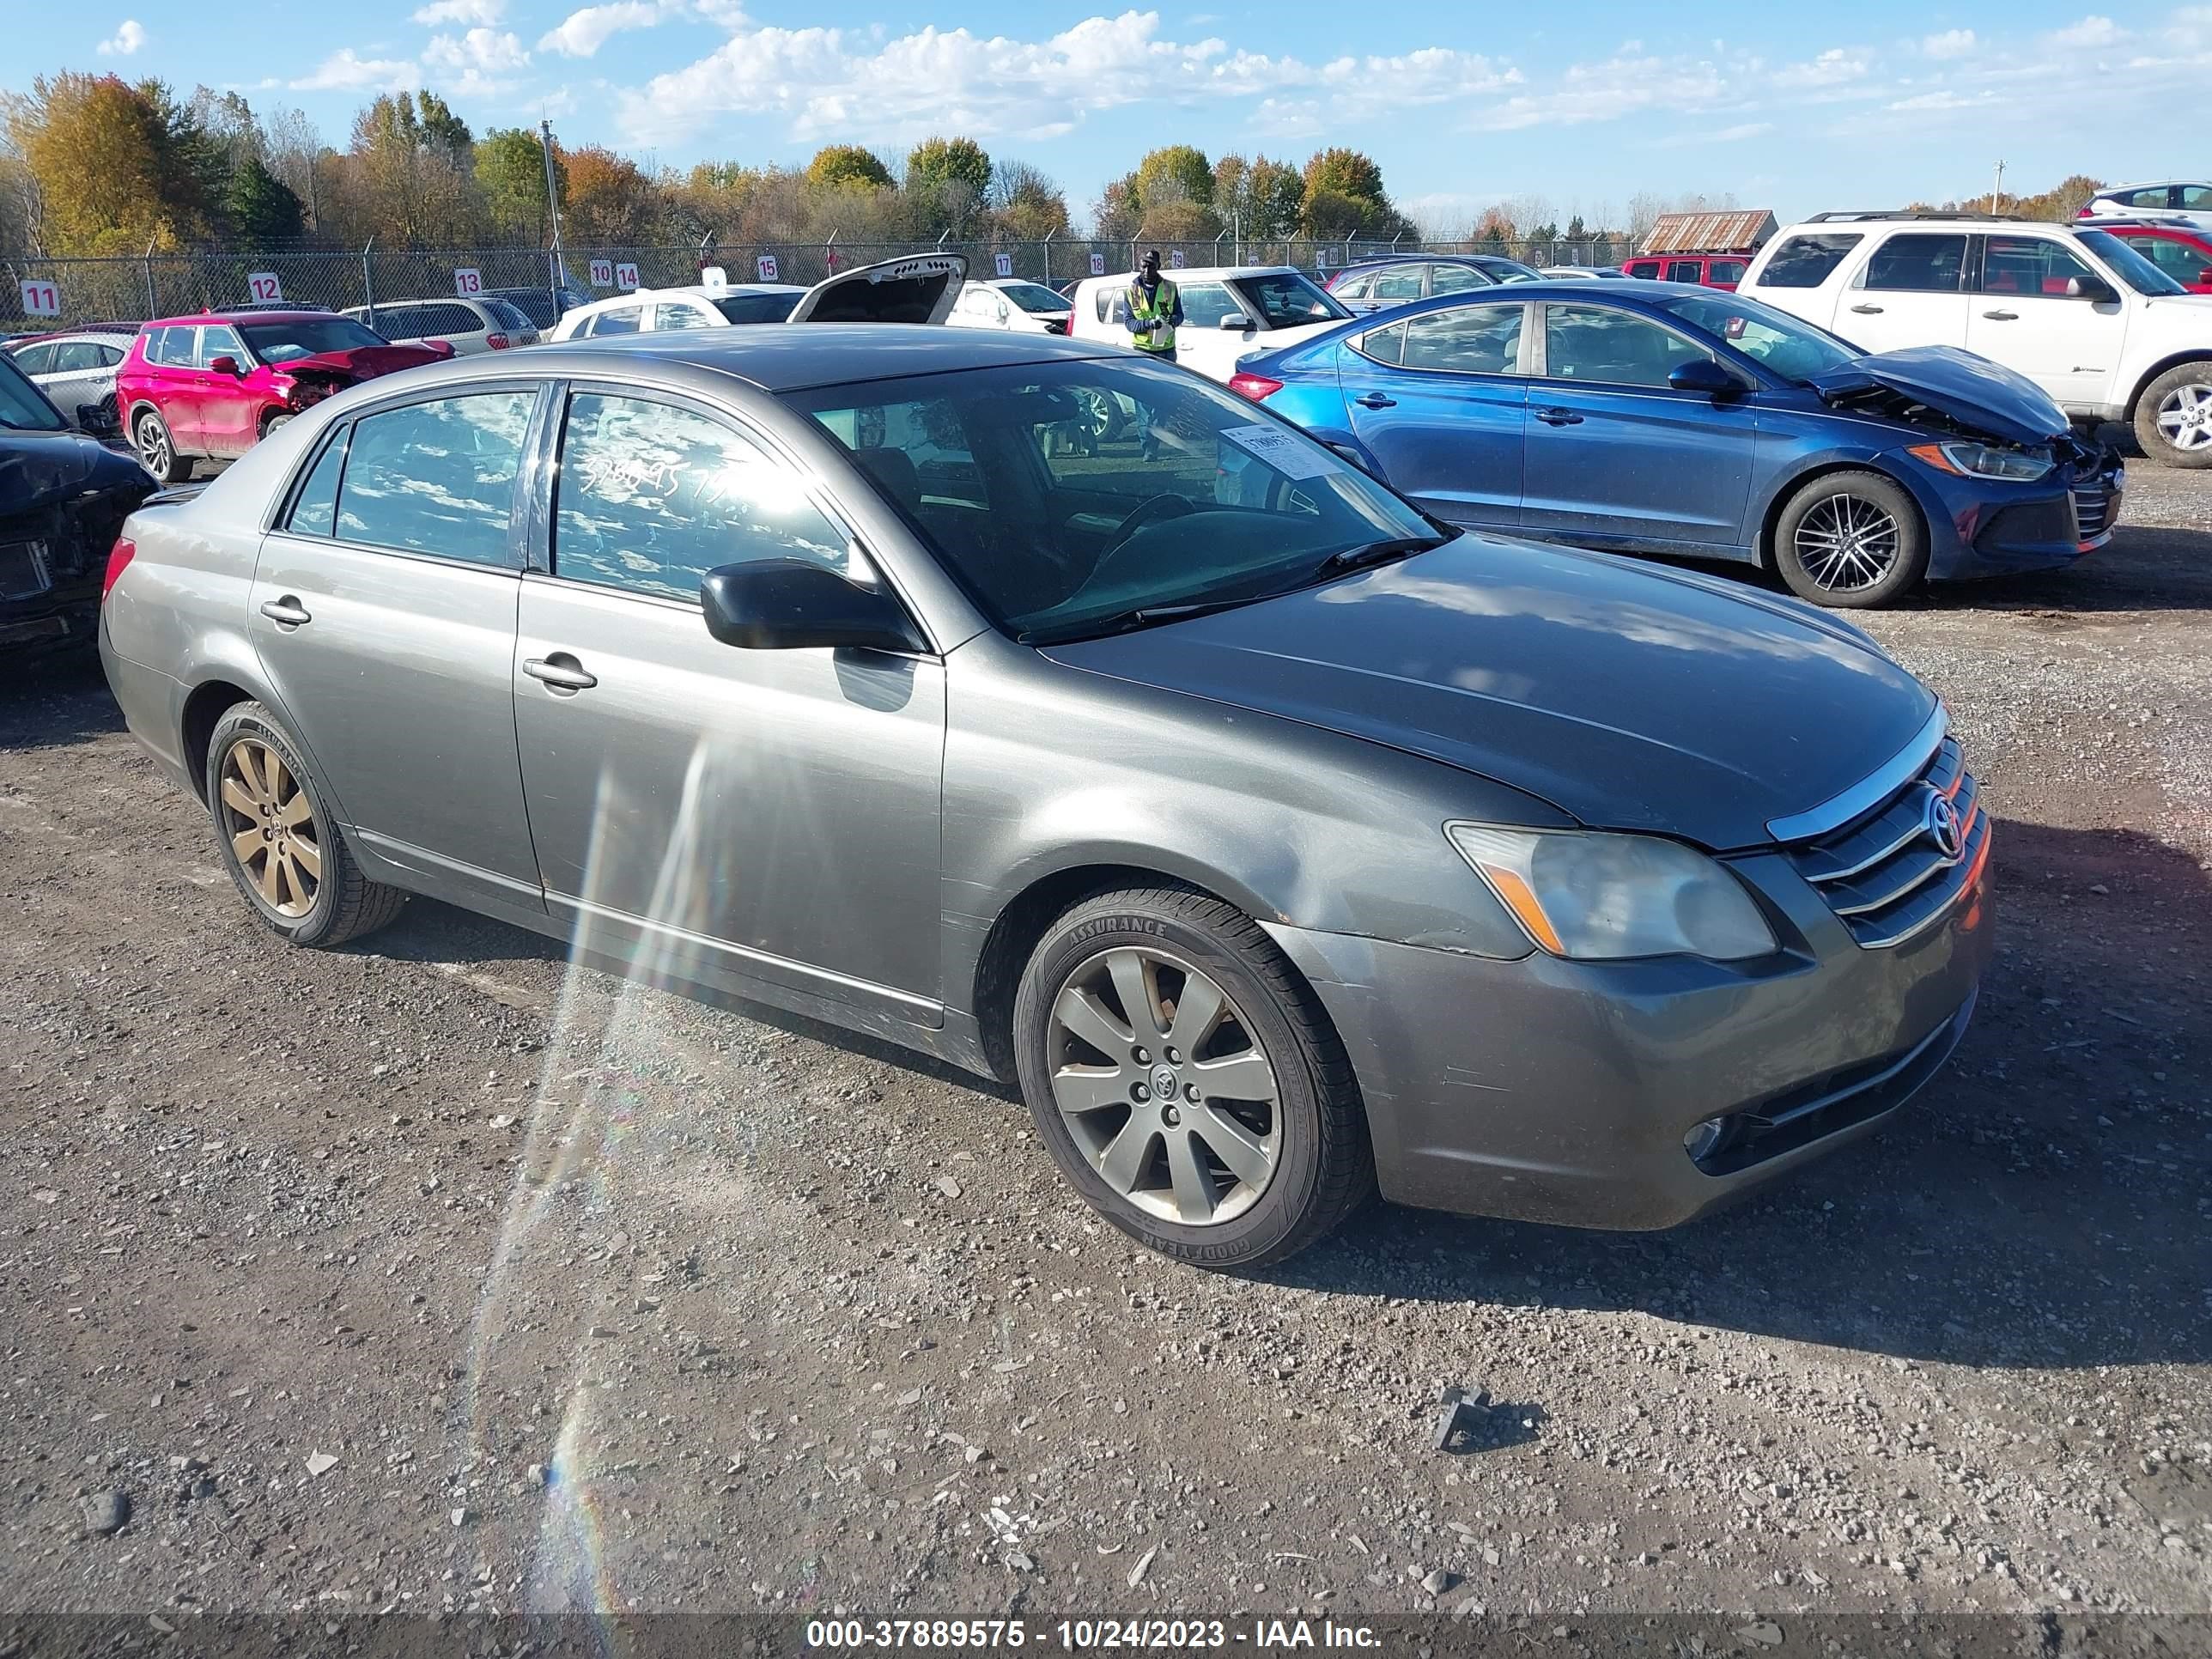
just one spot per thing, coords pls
(431, 1275)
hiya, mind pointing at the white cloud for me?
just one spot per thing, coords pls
(475, 64)
(583, 32)
(345, 70)
(1951, 43)
(1835, 67)
(482, 12)
(2089, 33)
(125, 40)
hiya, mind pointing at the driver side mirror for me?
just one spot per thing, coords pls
(2095, 289)
(1704, 375)
(795, 604)
(1237, 320)
(225, 364)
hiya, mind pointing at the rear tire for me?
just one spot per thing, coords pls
(1256, 1146)
(1851, 541)
(2173, 416)
(277, 838)
(157, 450)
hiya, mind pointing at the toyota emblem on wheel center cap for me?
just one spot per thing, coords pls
(1941, 824)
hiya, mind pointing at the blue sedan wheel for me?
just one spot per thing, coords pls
(1852, 540)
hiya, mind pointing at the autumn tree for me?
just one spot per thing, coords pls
(1028, 206)
(1266, 197)
(96, 153)
(949, 177)
(840, 166)
(412, 166)
(1175, 172)
(1345, 197)
(611, 202)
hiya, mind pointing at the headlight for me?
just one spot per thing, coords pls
(1972, 460)
(1599, 897)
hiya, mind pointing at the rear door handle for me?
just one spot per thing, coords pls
(2002, 316)
(559, 672)
(287, 612)
(1375, 401)
(1867, 310)
(1558, 417)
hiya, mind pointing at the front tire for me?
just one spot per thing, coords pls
(1851, 540)
(2173, 416)
(157, 450)
(1187, 1083)
(277, 838)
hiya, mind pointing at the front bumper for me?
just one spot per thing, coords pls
(1996, 530)
(1547, 1091)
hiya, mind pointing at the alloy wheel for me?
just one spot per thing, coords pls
(2184, 418)
(1164, 1087)
(271, 826)
(1846, 543)
(153, 446)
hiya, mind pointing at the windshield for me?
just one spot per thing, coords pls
(756, 307)
(22, 405)
(1067, 496)
(1774, 339)
(1035, 299)
(310, 337)
(2130, 266)
(1286, 300)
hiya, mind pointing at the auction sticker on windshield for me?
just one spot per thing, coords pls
(1285, 453)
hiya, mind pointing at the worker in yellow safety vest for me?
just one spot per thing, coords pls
(1152, 310)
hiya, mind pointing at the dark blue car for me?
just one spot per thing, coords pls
(1649, 417)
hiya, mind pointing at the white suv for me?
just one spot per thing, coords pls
(2107, 334)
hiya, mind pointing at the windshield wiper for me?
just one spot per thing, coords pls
(1373, 553)
(1123, 621)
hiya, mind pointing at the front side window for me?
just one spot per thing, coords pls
(1685, 271)
(1287, 300)
(1467, 340)
(1792, 347)
(1728, 271)
(1457, 279)
(1601, 346)
(652, 496)
(36, 360)
(1648, 269)
(2028, 265)
(78, 357)
(1384, 345)
(1805, 261)
(675, 314)
(622, 320)
(1918, 263)
(1403, 283)
(1205, 304)
(1115, 487)
(2195, 197)
(307, 336)
(221, 343)
(437, 477)
(315, 509)
(1354, 288)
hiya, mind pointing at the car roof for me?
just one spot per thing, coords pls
(200, 318)
(1212, 272)
(1375, 261)
(2148, 184)
(425, 300)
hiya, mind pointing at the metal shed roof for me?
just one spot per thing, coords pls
(1709, 232)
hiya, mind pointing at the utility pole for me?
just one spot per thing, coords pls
(1997, 189)
(556, 266)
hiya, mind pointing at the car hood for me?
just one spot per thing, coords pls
(1973, 392)
(362, 363)
(921, 288)
(1631, 696)
(41, 470)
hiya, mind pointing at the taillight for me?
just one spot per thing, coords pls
(118, 557)
(1258, 387)
(496, 341)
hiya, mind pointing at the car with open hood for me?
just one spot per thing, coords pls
(921, 288)
(1657, 418)
(1276, 840)
(214, 386)
(63, 497)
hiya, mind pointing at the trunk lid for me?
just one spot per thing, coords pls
(919, 287)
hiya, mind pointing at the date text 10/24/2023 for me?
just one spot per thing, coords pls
(1088, 1635)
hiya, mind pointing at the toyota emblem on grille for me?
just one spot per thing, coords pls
(1941, 824)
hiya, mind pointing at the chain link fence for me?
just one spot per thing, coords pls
(39, 294)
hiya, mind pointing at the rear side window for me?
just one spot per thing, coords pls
(437, 477)
(1918, 263)
(1727, 270)
(1403, 283)
(675, 314)
(1384, 345)
(1807, 261)
(1457, 279)
(315, 509)
(623, 319)
(172, 347)
(652, 496)
(1685, 271)
(756, 307)
(1467, 340)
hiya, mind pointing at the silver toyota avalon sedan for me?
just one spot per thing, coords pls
(1281, 843)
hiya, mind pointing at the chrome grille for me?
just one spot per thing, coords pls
(1884, 873)
(2092, 512)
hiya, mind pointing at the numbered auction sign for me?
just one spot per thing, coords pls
(265, 287)
(1097, 265)
(40, 299)
(766, 265)
(1175, 258)
(1003, 263)
(625, 276)
(467, 283)
(603, 273)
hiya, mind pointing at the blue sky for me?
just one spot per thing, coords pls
(1796, 107)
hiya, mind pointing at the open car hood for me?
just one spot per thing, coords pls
(361, 362)
(919, 287)
(1968, 392)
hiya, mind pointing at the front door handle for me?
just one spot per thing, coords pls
(2002, 316)
(287, 612)
(1558, 417)
(1867, 310)
(561, 672)
(1375, 401)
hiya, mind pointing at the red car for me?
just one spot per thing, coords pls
(2182, 252)
(216, 385)
(1706, 270)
